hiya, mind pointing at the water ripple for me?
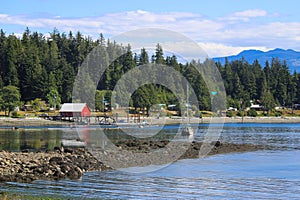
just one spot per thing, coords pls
(254, 175)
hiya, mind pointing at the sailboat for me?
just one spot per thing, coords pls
(186, 129)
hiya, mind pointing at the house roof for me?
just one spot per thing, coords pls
(72, 107)
(255, 106)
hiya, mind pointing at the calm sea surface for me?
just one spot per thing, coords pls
(253, 175)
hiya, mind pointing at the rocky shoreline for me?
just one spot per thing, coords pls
(72, 163)
(55, 165)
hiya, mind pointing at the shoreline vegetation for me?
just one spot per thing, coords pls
(31, 80)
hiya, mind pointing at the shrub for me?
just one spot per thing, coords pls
(199, 114)
(278, 114)
(229, 114)
(252, 113)
(240, 113)
(14, 114)
(265, 114)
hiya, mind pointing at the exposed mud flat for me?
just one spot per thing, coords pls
(73, 162)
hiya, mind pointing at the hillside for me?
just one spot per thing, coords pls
(292, 57)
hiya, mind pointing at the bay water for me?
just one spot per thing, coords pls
(264, 174)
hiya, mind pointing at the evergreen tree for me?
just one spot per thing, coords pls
(259, 78)
(238, 88)
(267, 100)
(143, 58)
(159, 55)
(3, 54)
(292, 90)
(297, 91)
(128, 61)
(172, 61)
(1, 83)
(12, 62)
(53, 98)
(67, 82)
(228, 78)
(53, 62)
(40, 67)
(10, 97)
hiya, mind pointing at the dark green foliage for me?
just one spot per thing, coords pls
(278, 114)
(229, 114)
(14, 114)
(241, 113)
(271, 85)
(40, 67)
(10, 98)
(158, 57)
(101, 100)
(252, 113)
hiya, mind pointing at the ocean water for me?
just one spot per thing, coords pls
(266, 174)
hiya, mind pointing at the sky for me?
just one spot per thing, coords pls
(219, 27)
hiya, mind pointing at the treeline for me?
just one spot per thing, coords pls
(271, 84)
(34, 66)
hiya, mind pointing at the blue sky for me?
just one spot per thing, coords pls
(220, 27)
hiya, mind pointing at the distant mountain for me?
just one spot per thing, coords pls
(292, 57)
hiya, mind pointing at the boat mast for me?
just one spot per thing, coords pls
(187, 102)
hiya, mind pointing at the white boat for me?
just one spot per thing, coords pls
(73, 143)
(187, 130)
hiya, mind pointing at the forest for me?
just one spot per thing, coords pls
(35, 68)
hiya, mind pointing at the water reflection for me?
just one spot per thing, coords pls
(265, 174)
(32, 140)
(46, 139)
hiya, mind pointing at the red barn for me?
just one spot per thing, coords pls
(75, 110)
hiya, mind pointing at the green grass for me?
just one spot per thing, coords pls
(16, 196)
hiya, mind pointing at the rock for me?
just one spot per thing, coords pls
(72, 162)
(38, 170)
(196, 147)
(72, 174)
(78, 170)
(65, 168)
(26, 167)
(56, 160)
(218, 143)
(58, 174)
(59, 149)
(19, 162)
(69, 150)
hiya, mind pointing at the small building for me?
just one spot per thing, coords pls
(232, 109)
(27, 108)
(75, 110)
(256, 107)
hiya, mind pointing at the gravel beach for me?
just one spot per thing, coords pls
(73, 162)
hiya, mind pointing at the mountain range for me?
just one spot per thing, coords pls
(290, 56)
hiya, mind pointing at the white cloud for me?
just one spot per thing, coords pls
(245, 15)
(224, 36)
(251, 13)
(222, 50)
